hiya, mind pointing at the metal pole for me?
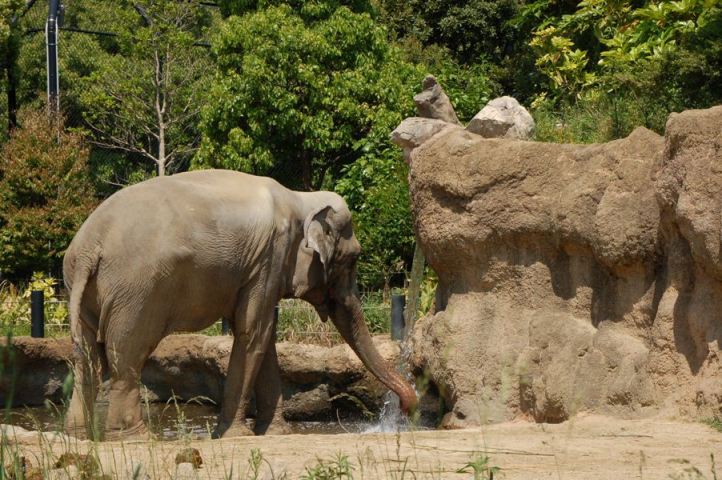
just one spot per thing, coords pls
(414, 290)
(397, 317)
(51, 42)
(37, 314)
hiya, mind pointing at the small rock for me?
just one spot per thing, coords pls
(502, 117)
(414, 131)
(189, 455)
(185, 471)
(70, 472)
(314, 404)
(433, 102)
(86, 464)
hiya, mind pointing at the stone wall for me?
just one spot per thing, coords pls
(572, 277)
(317, 381)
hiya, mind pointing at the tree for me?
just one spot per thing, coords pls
(45, 194)
(9, 42)
(145, 99)
(299, 99)
(376, 190)
(313, 10)
(469, 29)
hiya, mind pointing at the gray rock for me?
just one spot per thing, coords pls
(314, 403)
(503, 117)
(185, 471)
(433, 102)
(414, 131)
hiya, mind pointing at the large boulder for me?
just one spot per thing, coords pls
(573, 277)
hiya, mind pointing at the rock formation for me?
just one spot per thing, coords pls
(572, 277)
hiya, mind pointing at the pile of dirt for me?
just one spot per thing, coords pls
(573, 277)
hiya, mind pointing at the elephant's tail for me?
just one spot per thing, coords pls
(82, 329)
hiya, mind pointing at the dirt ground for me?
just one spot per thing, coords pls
(587, 447)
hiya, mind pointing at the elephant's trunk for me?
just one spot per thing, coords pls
(349, 319)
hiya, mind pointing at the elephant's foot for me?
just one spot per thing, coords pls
(236, 429)
(273, 427)
(136, 432)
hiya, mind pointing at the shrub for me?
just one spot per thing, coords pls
(45, 194)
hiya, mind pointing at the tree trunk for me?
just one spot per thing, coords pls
(306, 172)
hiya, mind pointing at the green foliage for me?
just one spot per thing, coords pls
(592, 45)
(299, 322)
(15, 305)
(715, 422)
(308, 10)
(45, 194)
(469, 86)
(377, 192)
(480, 467)
(8, 10)
(470, 29)
(427, 294)
(143, 97)
(300, 101)
(338, 467)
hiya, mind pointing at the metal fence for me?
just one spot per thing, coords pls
(297, 320)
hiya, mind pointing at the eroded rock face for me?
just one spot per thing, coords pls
(573, 277)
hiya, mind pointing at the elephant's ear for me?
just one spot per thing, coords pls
(320, 236)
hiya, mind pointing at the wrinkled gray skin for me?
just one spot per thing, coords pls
(176, 254)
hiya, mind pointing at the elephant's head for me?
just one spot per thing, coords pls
(325, 276)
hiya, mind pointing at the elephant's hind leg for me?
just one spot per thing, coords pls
(269, 399)
(87, 373)
(126, 357)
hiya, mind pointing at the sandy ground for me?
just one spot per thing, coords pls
(588, 447)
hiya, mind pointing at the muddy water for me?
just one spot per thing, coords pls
(170, 421)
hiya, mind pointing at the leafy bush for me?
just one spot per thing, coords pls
(338, 467)
(45, 194)
(15, 305)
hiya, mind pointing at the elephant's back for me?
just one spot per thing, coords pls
(167, 219)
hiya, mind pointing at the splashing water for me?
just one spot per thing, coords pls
(391, 419)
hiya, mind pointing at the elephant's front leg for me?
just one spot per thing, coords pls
(253, 326)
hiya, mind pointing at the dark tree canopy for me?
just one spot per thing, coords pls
(470, 29)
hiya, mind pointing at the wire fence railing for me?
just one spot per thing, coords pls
(297, 320)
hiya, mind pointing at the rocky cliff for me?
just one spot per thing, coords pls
(572, 277)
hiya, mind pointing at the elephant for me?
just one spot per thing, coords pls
(177, 253)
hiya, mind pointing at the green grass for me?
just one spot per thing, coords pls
(596, 120)
(715, 422)
(297, 322)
